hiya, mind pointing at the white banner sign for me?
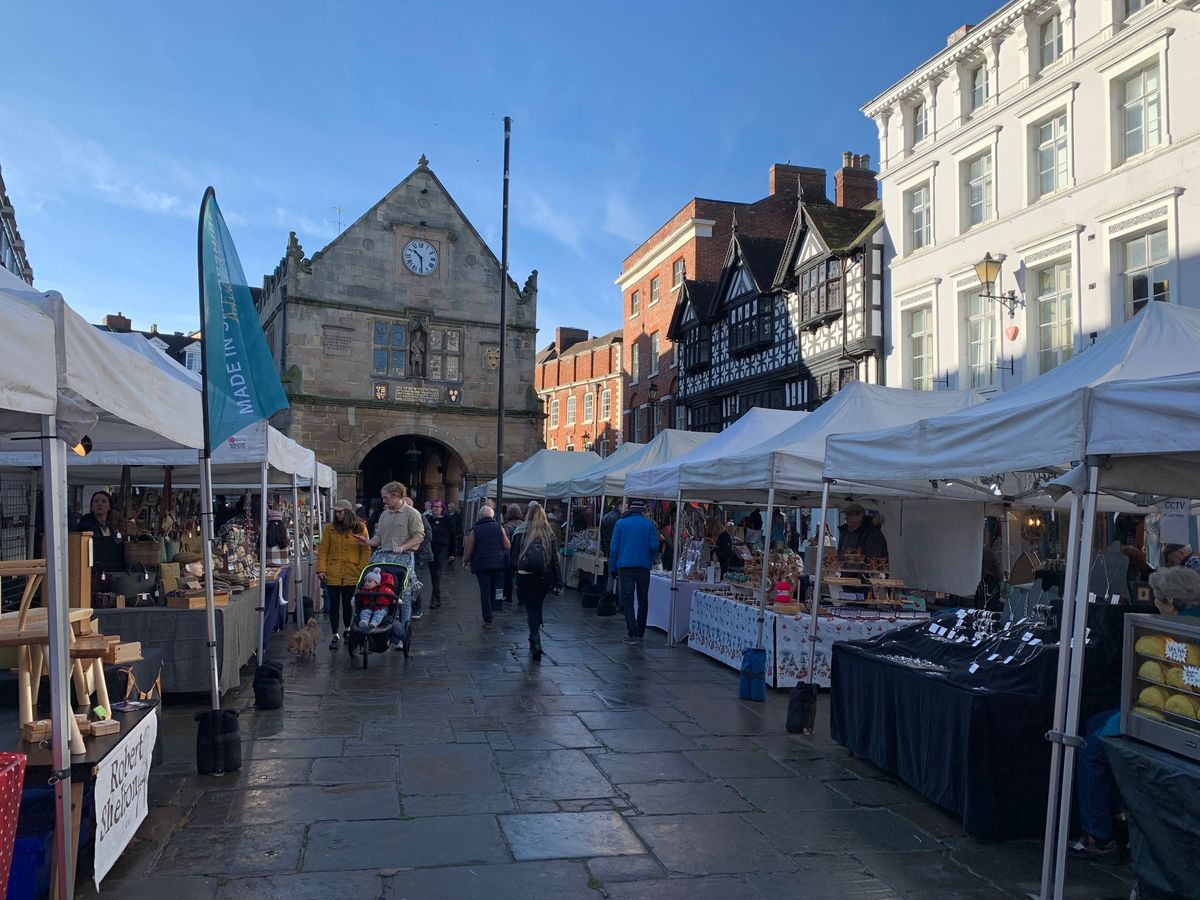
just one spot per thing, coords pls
(122, 798)
(1174, 523)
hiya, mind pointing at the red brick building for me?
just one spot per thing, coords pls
(692, 245)
(579, 383)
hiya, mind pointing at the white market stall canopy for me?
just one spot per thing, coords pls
(528, 480)
(1042, 424)
(237, 462)
(609, 477)
(791, 461)
(1150, 432)
(661, 482)
(113, 395)
(27, 373)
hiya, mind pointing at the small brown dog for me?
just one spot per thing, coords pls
(304, 642)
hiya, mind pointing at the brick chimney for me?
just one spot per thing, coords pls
(565, 338)
(788, 180)
(854, 183)
(117, 323)
(958, 34)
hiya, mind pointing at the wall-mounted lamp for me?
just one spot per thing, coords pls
(987, 270)
(84, 447)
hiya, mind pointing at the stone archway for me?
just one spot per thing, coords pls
(428, 467)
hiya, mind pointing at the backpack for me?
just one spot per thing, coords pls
(533, 558)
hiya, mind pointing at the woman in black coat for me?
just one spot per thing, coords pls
(108, 550)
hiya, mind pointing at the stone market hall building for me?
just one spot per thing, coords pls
(388, 341)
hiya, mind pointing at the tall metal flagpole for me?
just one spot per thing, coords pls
(503, 322)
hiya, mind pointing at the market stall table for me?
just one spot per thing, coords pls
(182, 636)
(722, 627)
(660, 603)
(1162, 793)
(577, 564)
(39, 764)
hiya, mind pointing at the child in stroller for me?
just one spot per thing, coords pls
(381, 610)
(375, 597)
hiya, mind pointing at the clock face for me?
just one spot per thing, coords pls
(421, 257)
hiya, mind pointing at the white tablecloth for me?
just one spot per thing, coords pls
(660, 603)
(722, 628)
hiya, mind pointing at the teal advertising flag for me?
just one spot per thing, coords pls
(241, 385)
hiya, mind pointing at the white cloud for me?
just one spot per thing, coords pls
(54, 166)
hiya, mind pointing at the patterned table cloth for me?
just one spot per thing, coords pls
(722, 628)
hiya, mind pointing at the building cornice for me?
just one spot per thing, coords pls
(301, 300)
(997, 25)
(455, 409)
(671, 244)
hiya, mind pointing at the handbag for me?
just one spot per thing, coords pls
(134, 580)
(170, 546)
(144, 551)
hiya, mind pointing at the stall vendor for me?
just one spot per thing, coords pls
(857, 534)
(1181, 555)
(108, 551)
(726, 558)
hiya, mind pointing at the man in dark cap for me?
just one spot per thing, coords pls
(1180, 555)
(857, 534)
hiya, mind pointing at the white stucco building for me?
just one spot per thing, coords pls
(1063, 136)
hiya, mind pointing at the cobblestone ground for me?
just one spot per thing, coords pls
(603, 771)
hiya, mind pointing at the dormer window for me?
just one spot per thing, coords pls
(750, 325)
(697, 348)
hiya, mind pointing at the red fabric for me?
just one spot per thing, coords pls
(382, 596)
(12, 777)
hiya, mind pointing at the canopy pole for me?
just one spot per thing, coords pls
(297, 578)
(206, 536)
(567, 524)
(1066, 629)
(1075, 685)
(816, 600)
(762, 582)
(54, 499)
(674, 569)
(262, 566)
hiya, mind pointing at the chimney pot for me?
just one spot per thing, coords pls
(846, 158)
(958, 34)
(866, 161)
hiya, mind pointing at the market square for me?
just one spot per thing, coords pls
(415, 482)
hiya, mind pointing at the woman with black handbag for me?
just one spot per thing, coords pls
(535, 557)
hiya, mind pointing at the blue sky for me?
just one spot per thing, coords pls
(114, 118)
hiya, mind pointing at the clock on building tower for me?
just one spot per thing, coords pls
(421, 257)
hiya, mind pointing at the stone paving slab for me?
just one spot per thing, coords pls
(927, 874)
(554, 880)
(708, 844)
(230, 851)
(391, 843)
(569, 835)
(724, 888)
(314, 886)
(625, 768)
(176, 887)
(673, 797)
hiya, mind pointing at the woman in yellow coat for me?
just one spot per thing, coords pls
(340, 560)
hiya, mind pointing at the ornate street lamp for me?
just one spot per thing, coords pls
(987, 270)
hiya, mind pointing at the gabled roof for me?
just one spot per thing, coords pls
(700, 295)
(549, 353)
(759, 255)
(841, 229)
(421, 169)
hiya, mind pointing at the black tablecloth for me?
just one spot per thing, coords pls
(1162, 793)
(979, 753)
(182, 636)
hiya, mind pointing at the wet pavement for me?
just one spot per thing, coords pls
(604, 770)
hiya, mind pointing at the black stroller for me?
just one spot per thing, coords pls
(386, 585)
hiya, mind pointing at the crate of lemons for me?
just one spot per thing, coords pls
(1168, 679)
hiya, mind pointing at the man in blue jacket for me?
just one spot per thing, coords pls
(634, 546)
